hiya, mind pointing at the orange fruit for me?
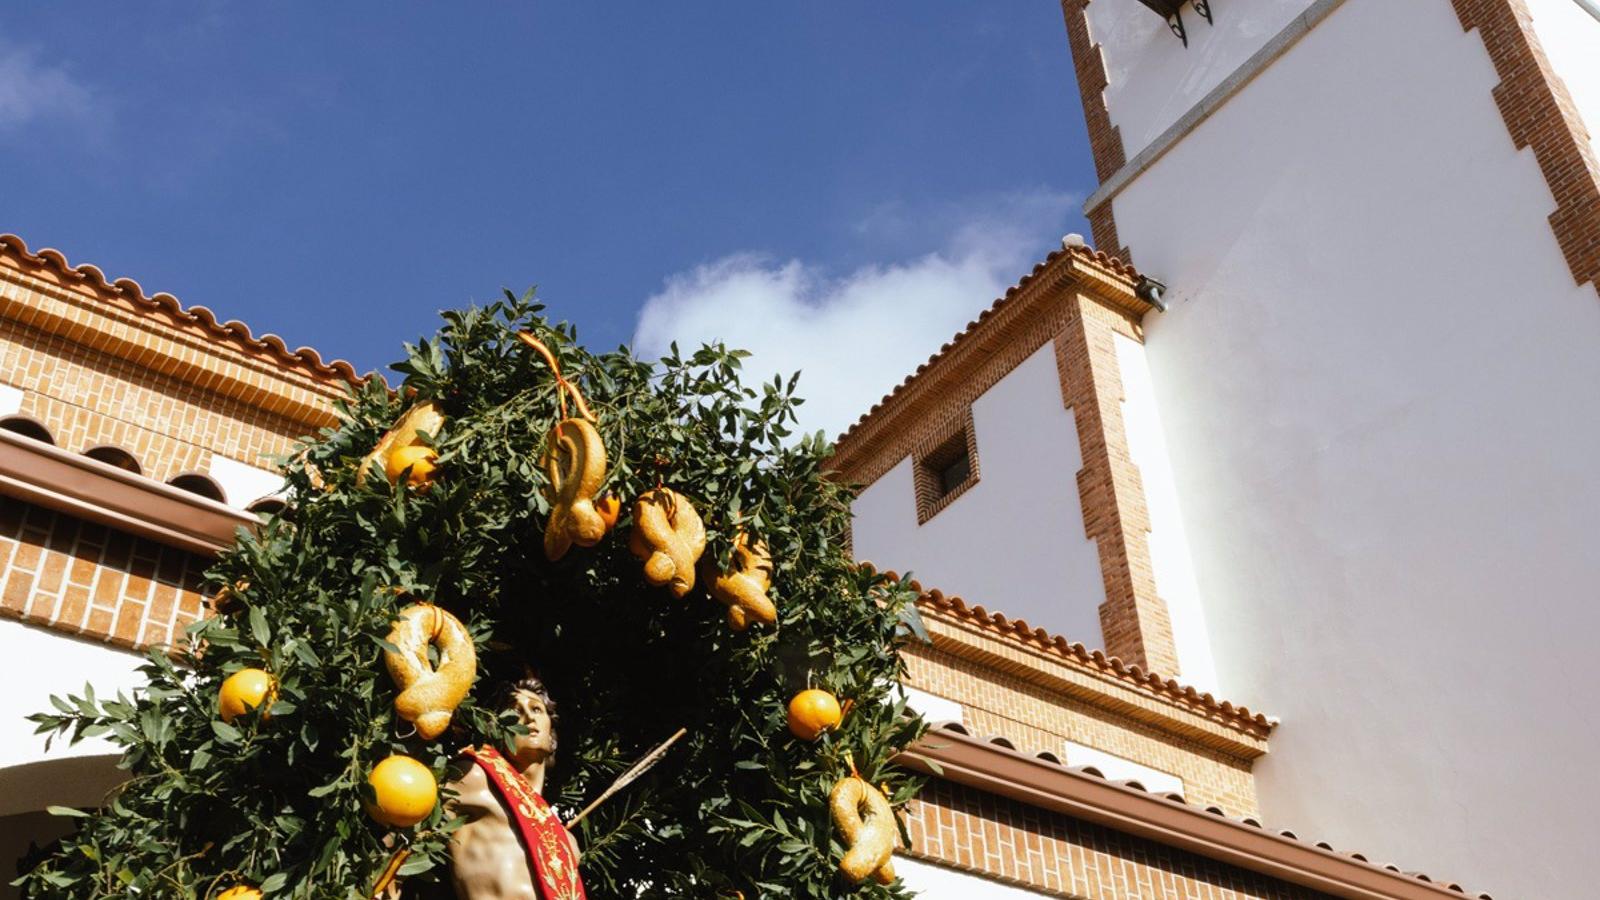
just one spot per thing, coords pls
(812, 712)
(240, 892)
(609, 507)
(417, 458)
(244, 690)
(406, 792)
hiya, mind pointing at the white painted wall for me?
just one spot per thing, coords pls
(1153, 79)
(1118, 768)
(37, 663)
(1014, 542)
(1570, 36)
(939, 883)
(1169, 543)
(242, 484)
(1378, 388)
(10, 400)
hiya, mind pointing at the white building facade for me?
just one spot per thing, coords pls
(1378, 224)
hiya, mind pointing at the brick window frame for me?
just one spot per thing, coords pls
(933, 455)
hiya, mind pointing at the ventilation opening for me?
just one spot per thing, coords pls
(114, 456)
(268, 506)
(196, 483)
(27, 428)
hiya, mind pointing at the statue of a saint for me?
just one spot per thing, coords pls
(513, 846)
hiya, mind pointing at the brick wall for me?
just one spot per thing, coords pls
(1037, 719)
(1105, 139)
(1539, 113)
(169, 425)
(979, 832)
(84, 579)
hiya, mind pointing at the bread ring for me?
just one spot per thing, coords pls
(866, 823)
(429, 695)
(743, 588)
(575, 464)
(669, 536)
(427, 416)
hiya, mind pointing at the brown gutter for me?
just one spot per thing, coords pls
(1037, 782)
(46, 475)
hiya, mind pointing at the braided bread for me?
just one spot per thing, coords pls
(428, 696)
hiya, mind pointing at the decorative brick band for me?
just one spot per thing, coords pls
(1133, 620)
(1539, 113)
(933, 454)
(1105, 139)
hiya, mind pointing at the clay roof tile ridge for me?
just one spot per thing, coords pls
(1179, 800)
(1096, 256)
(268, 345)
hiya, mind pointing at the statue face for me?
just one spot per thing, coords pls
(539, 742)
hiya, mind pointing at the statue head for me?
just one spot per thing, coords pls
(530, 700)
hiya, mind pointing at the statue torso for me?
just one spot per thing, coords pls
(488, 861)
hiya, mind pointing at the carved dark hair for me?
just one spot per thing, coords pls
(506, 695)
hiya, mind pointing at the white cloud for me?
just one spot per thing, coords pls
(32, 89)
(855, 336)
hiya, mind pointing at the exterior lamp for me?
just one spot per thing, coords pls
(1170, 11)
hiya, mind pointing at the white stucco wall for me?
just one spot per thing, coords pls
(1119, 768)
(1014, 542)
(1153, 79)
(242, 484)
(1169, 543)
(1377, 385)
(38, 663)
(932, 882)
(1570, 36)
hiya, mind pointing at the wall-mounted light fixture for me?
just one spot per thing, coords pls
(1170, 10)
(1152, 292)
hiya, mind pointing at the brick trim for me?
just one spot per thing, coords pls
(1234, 732)
(1134, 620)
(931, 455)
(1079, 302)
(1105, 139)
(1539, 113)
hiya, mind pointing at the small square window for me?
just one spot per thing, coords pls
(945, 468)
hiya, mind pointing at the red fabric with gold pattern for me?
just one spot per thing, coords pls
(550, 853)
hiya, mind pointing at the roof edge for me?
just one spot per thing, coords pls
(951, 754)
(268, 346)
(1107, 276)
(1038, 640)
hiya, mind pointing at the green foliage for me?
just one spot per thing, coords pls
(737, 805)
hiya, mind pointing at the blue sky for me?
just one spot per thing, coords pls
(812, 179)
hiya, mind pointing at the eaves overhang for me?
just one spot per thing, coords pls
(40, 473)
(1046, 784)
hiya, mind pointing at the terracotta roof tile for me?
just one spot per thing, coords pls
(1019, 631)
(268, 345)
(1088, 254)
(1250, 821)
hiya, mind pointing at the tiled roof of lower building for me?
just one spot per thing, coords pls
(1020, 632)
(995, 765)
(268, 346)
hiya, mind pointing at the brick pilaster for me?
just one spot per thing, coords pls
(1133, 620)
(1539, 113)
